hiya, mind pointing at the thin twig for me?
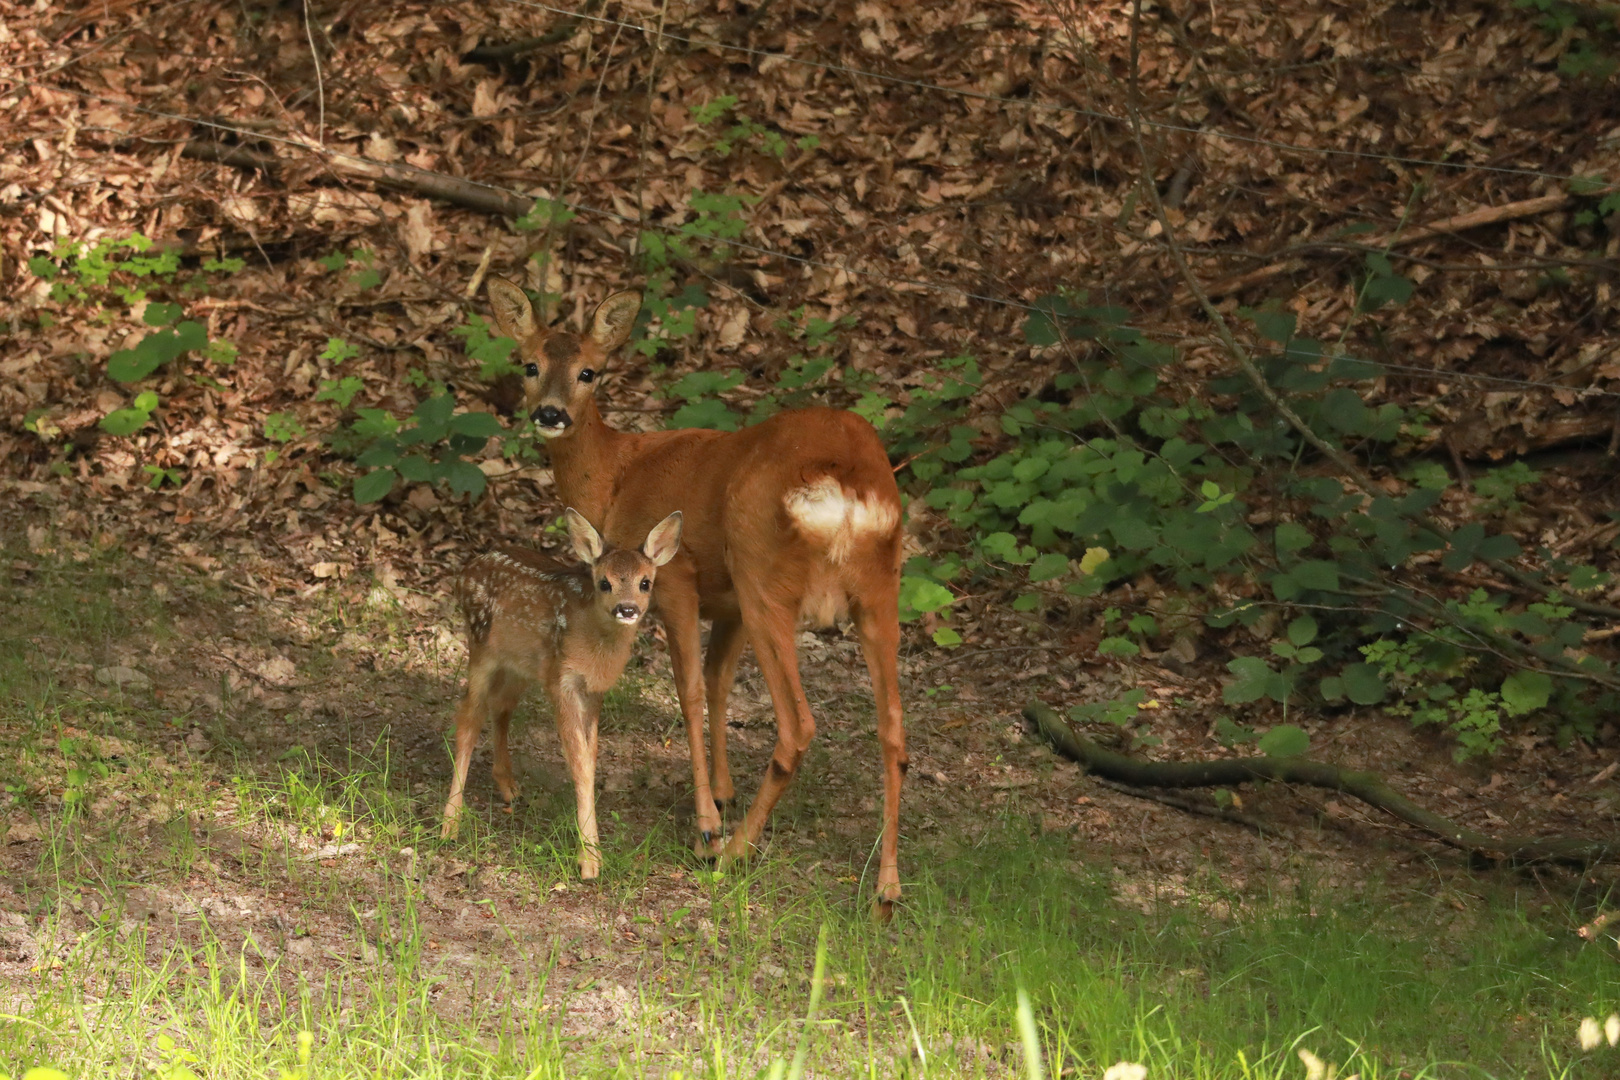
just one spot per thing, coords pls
(320, 83)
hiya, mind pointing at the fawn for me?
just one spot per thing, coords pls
(533, 619)
(794, 519)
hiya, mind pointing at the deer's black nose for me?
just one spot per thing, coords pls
(626, 612)
(551, 416)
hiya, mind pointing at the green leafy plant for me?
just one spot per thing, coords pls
(415, 454)
(1423, 674)
(123, 271)
(132, 417)
(1500, 487)
(367, 276)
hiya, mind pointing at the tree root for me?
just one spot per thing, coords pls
(1366, 786)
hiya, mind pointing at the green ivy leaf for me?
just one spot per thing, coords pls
(478, 424)
(1255, 680)
(1317, 574)
(1284, 740)
(1362, 684)
(1344, 409)
(1302, 631)
(1526, 691)
(124, 421)
(374, 485)
(918, 596)
(1048, 567)
(160, 314)
(417, 469)
(1291, 537)
(709, 413)
(1275, 326)
(946, 638)
(1499, 547)
(464, 477)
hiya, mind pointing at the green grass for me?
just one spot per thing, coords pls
(666, 966)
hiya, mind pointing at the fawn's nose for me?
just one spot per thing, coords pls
(627, 613)
(550, 416)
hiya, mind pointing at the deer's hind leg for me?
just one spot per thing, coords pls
(482, 672)
(505, 692)
(877, 621)
(726, 642)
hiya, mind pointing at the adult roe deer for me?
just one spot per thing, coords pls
(796, 518)
(533, 619)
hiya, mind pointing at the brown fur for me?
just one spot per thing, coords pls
(532, 619)
(793, 519)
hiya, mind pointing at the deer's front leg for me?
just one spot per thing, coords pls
(577, 711)
(678, 606)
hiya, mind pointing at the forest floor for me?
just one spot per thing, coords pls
(226, 686)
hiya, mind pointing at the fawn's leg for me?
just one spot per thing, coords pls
(577, 711)
(726, 641)
(772, 627)
(877, 620)
(504, 695)
(678, 607)
(469, 720)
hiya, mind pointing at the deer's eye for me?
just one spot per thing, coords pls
(604, 586)
(587, 375)
(646, 584)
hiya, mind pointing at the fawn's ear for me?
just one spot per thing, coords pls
(583, 535)
(664, 540)
(514, 315)
(614, 319)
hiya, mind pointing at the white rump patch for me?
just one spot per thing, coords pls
(824, 511)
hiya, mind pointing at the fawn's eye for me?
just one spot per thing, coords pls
(531, 370)
(646, 584)
(604, 586)
(587, 375)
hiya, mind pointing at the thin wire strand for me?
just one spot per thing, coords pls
(1440, 374)
(1071, 110)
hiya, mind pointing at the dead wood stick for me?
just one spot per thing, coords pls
(1489, 215)
(487, 54)
(434, 185)
(1368, 787)
(1473, 219)
(239, 157)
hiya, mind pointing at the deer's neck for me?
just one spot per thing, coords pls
(601, 649)
(586, 462)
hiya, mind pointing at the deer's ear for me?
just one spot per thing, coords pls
(614, 318)
(664, 540)
(583, 535)
(514, 315)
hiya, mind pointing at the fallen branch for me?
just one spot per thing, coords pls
(434, 185)
(494, 54)
(1368, 787)
(1473, 219)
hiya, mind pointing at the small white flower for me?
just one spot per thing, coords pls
(1314, 1068)
(1124, 1070)
(1591, 1034)
(1611, 1028)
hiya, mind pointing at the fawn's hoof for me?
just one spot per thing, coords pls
(888, 893)
(707, 846)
